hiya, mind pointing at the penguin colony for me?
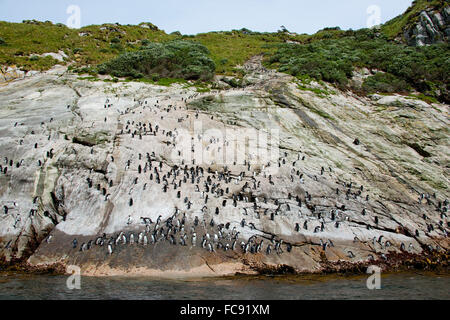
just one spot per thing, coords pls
(237, 186)
(236, 189)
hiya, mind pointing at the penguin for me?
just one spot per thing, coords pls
(289, 247)
(118, 239)
(110, 250)
(74, 243)
(183, 241)
(350, 255)
(380, 239)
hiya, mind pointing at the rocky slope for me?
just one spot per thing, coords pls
(353, 179)
(432, 26)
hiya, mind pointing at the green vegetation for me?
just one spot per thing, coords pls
(175, 59)
(87, 46)
(232, 48)
(145, 53)
(394, 27)
(305, 80)
(333, 60)
(385, 82)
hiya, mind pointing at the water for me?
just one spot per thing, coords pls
(393, 286)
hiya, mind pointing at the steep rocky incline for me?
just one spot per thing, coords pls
(431, 26)
(129, 178)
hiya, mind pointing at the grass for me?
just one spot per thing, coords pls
(91, 78)
(319, 92)
(425, 98)
(96, 44)
(24, 39)
(321, 113)
(394, 27)
(229, 49)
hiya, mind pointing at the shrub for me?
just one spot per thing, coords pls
(425, 69)
(175, 59)
(116, 46)
(386, 83)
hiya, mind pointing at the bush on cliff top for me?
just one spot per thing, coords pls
(175, 59)
(385, 82)
(333, 60)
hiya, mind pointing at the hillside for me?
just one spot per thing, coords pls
(128, 151)
(425, 22)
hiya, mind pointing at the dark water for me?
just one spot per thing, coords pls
(393, 286)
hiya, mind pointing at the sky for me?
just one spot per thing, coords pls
(196, 16)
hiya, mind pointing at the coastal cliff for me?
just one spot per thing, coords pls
(356, 180)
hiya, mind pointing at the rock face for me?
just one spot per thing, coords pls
(145, 178)
(432, 26)
(8, 74)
